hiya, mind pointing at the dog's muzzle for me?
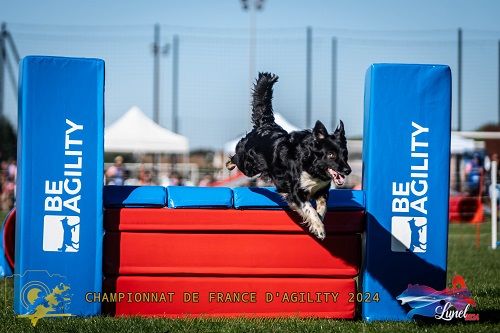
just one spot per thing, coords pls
(338, 178)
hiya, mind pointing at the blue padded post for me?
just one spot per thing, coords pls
(59, 209)
(406, 153)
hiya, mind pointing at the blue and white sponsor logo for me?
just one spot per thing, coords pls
(409, 198)
(61, 233)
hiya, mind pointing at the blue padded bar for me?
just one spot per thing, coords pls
(257, 197)
(134, 196)
(59, 216)
(406, 151)
(199, 197)
(268, 198)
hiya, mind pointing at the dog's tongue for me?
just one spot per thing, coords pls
(337, 177)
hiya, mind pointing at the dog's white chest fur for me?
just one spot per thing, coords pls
(311, 184)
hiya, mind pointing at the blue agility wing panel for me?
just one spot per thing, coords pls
(59, 218)
(199, 197)
(406, 154)
(134, 196)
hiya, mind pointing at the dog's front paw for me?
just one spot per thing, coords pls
(318, 230)
(321, 207)
(305, 222)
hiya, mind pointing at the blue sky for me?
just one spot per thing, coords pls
(346, 14)
(213, 71)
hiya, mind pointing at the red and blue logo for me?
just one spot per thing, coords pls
(448, 304)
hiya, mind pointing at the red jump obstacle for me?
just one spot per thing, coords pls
(228, 262)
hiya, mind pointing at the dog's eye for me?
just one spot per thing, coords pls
(331, 155)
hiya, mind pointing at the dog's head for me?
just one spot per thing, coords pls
(331, 152)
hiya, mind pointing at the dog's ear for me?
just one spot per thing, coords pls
(320, 131)
(340, 129)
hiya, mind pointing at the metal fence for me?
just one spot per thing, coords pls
(210, 77)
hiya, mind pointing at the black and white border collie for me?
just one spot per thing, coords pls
(301, 164)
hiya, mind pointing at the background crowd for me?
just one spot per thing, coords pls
(8, 175)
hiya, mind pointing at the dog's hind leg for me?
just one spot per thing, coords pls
(250, 163)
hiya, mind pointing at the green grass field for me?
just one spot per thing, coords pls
(479, 265)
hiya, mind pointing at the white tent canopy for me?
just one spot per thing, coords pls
(134, 132)
(229, 147)
(460, 144)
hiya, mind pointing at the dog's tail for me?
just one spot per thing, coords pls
(262, 106)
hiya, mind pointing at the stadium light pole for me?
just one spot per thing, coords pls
(309, 37)
(334, 83)
(252, 6)
(156, 75)
(175, 84)
(7, 42)
(458, 159)
(158, 50)
(459, 94)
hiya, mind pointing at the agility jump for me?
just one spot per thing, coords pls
(221, 251)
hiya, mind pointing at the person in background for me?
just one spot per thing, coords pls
(115, 175)
(206, 180)
(473, 170)
(176, 179)
(8, 175)
(128, 179)
(146, 178)
(7, 191)
(4, 199)
(163, 179)
(12, 170)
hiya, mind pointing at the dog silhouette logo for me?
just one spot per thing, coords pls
(417, 242)
(61, 233)
(409, 234)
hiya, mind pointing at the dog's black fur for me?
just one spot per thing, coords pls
(301, 164)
